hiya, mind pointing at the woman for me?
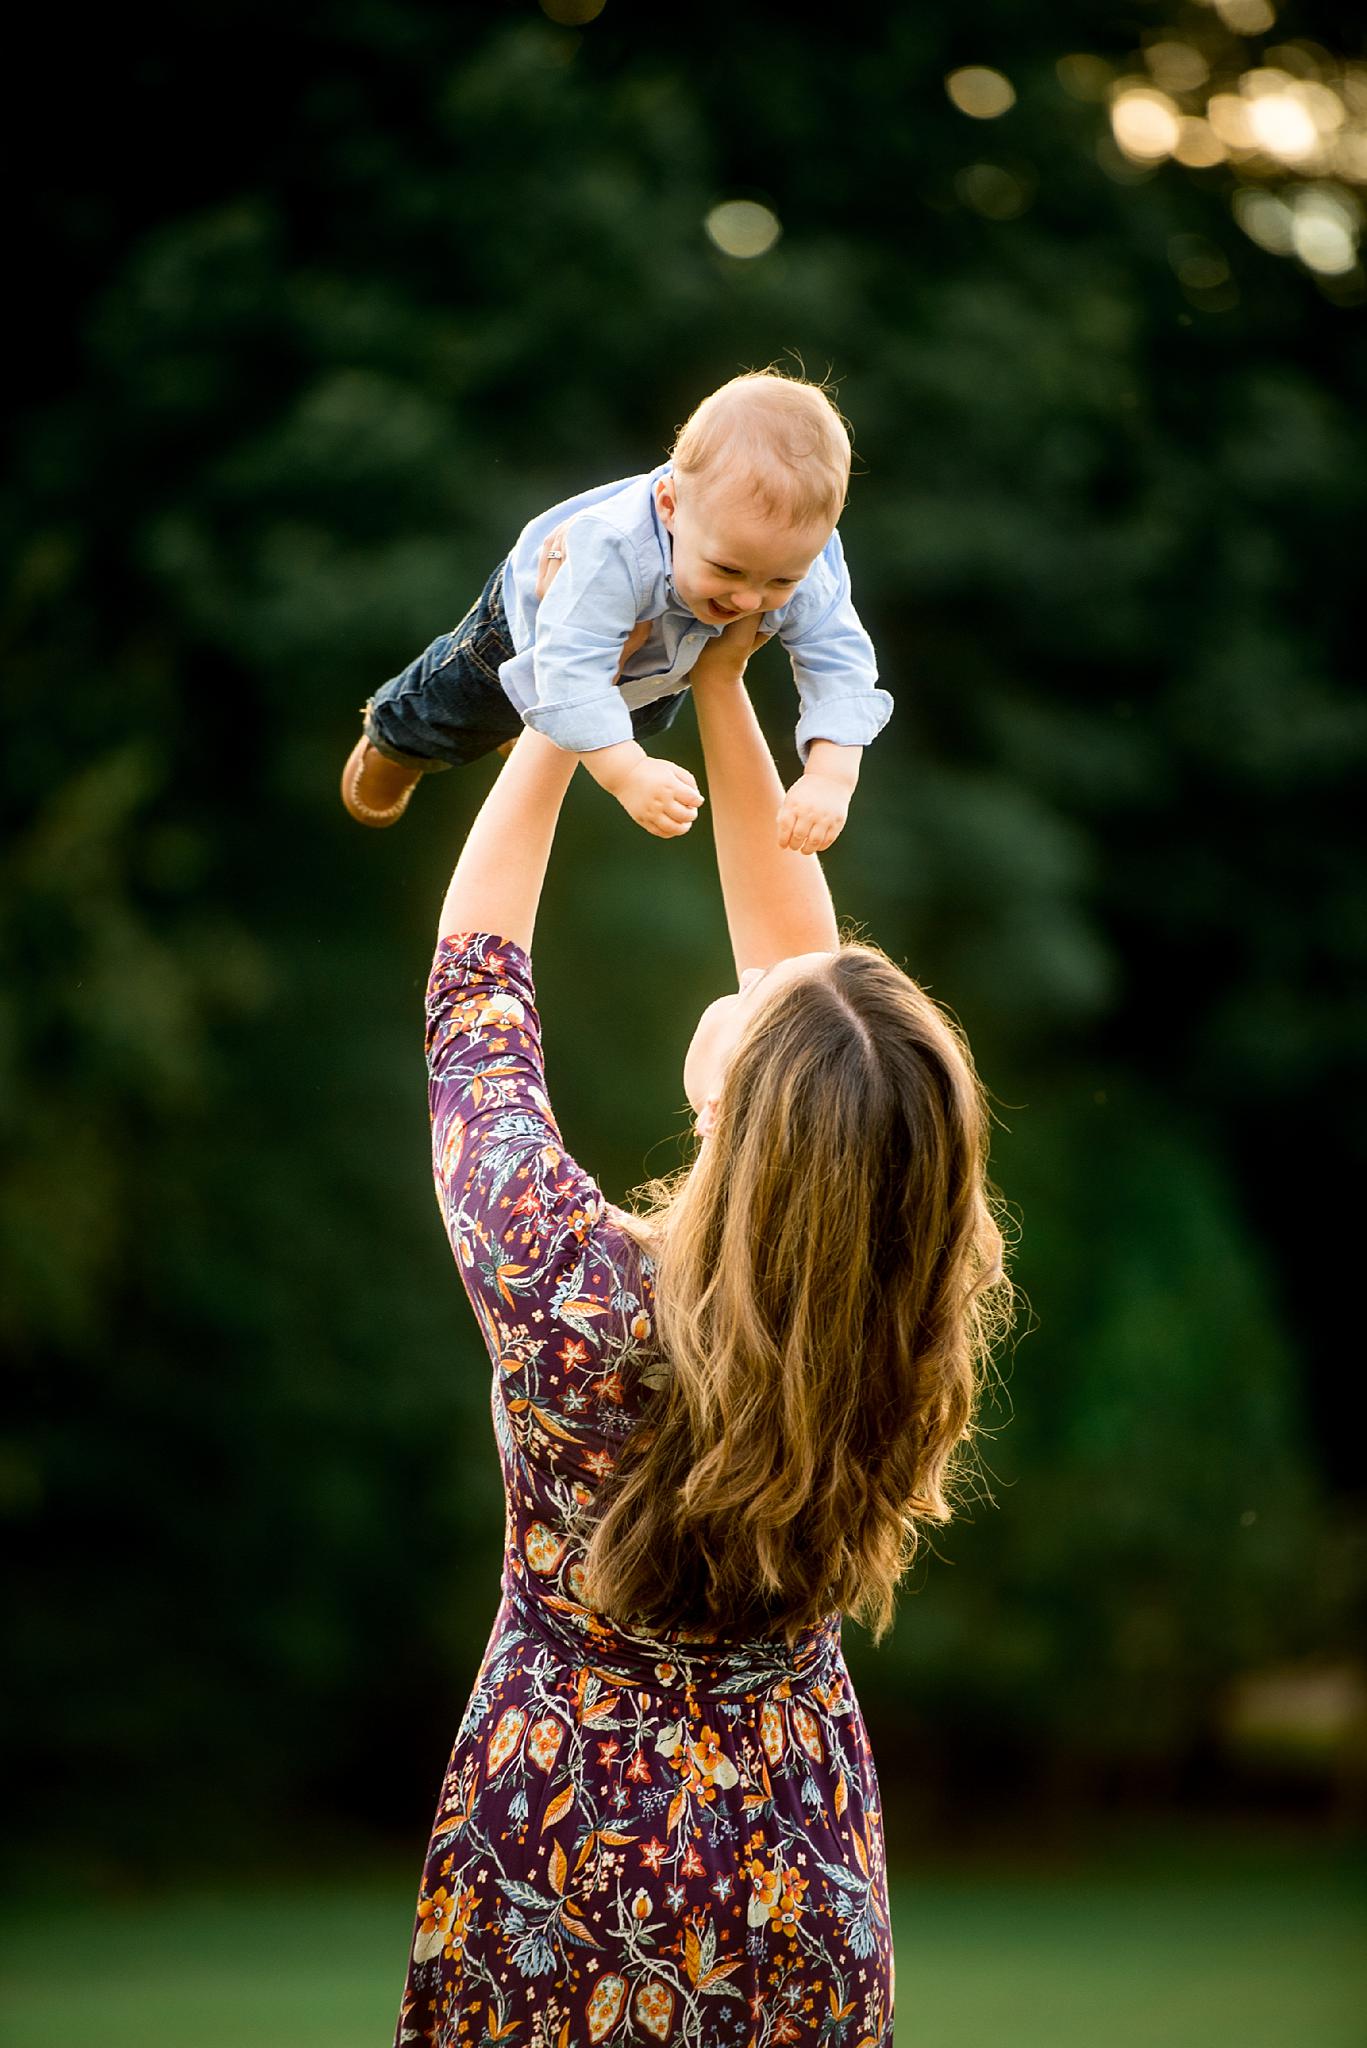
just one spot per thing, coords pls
(717, 1424)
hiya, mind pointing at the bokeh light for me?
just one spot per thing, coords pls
(1145, 122)
(993, 191)
(572, 13)
(1176, 67)
(1227, 113)
(1199, 101)
(742, 227)
(1265, 218)
(981, 92)
(1084, 77)
(1198, 146)
(1246, 17)
(1197, 263)
(1321, 224)
(1280, 125)
(1325, 225)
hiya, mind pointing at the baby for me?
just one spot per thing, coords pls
(588, 630)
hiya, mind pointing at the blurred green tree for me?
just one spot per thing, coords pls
(297, 393)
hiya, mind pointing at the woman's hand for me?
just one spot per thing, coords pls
(722, 661)
(548, 566)
(548, 561)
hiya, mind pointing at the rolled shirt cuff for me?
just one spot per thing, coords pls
(847, 721)
(584, 727)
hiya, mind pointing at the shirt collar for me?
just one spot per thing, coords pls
(665, 538)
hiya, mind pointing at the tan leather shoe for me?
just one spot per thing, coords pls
(375, 789)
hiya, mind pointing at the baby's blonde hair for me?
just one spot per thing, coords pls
(774, 439)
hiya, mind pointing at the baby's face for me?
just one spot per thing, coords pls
(729, 558)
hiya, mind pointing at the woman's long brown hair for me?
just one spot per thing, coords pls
(829, 1284)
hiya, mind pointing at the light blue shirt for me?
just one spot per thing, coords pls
(617, 571)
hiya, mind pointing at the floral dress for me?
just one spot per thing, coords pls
(638, 1840)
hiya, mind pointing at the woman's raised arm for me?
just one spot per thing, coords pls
(496, 886)
(777, 902)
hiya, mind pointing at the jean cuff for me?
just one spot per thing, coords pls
(424, 764)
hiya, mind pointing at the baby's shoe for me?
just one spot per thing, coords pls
(375, 789)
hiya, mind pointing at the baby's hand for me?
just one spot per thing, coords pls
(812, 814)
(659, 796)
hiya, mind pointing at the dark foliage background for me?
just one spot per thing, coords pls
(326, 301)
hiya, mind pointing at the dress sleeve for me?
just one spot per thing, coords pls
(530, 1230)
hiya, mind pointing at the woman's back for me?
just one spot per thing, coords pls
(675, 1836)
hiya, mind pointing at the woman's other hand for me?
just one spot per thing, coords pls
(722, 661)
(549, 563)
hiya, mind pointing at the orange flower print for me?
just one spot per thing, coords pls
(605, 2006)
(808, 1731)
(544, 1547)
(436, 1918)
(500, 1011)
(771, 1731)
(714, 1765)
(543, 1743)
(505, 1738)
(764, 1883)
(653, 2008)
(788, 1911)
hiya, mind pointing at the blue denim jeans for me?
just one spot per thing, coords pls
(448, 707)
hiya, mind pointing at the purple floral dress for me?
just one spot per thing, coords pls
(638, 1840)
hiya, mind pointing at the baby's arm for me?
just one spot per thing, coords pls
(661, 797)
(842, 708)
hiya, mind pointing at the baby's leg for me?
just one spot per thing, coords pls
(446, 708)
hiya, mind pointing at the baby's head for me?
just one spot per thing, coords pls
(760, 472)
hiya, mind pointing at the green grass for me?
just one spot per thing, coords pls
(1183, 1944)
